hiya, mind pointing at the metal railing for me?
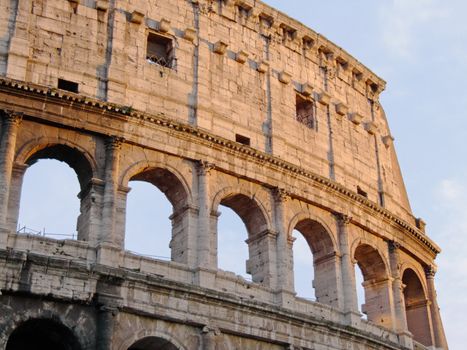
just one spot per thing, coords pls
(29, 231)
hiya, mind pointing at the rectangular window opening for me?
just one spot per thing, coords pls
(160, 50)
(242, 139)
(361, 192)
(67, 85)
(305, 111)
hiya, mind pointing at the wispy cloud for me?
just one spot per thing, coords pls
(403, 21)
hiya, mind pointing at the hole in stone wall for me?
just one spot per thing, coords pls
(304, 111)
(242, 139)
(362, 192)
(49, 205)
(68, 85)
(160, 50)
(148, 229)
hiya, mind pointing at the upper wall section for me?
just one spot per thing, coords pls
(240, 69)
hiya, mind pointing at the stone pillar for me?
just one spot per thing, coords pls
(109, 244)
(209, 338)
(107, 300)
(105, 327)
(183, 242)
(262, 261)
(284, 251)
(348, 288)
(11, 121)
(400, 318)
(438, 329)
(206, 248)
(378, 302)
(14, 195)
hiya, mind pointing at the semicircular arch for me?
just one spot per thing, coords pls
(370, 259)
(145, 333)
(78, 158)
(247, 205)
(164, 177)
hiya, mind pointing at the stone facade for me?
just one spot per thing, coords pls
(215, 103)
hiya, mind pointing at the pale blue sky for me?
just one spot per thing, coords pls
(420, 48)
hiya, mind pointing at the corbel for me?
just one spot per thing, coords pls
(306, 89)
(136, 17)
(262, 66)
(371, 127)
(164, 25)
(285, 77)
(324, 98)
(241, 56)
(189, 34)
(356, 118)
(341, 109)
(220, 47)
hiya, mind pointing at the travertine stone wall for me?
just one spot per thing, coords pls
(239, 67)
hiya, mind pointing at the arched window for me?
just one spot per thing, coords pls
(49, 203)
(303, 267)
(256, 226)
(359, 283)
(324, 270)
(416, 308)
(42, 334)
(232, 247)
(148, 228)
(376, 285)
(153, 343)
(49, 189)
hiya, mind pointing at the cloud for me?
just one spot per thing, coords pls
(404, 20)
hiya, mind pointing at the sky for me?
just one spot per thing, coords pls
(420, 48)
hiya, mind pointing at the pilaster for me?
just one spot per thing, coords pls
(348, 291)
(10, 123)
(438, 329)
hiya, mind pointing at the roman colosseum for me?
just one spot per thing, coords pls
(216, 103)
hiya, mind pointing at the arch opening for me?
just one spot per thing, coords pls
(376, 285)
(416, 308)
(322, 269)
(42, 334)
(153, 343)
(254, 220)
(148, 232)
(48, 203)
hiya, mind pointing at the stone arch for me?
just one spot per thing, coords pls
(41, 334)
(246, 204)
(241, 200)
(417, 306)
(79, 159)
(148, 339)
(325, 258)
(376, 283)
(153, 172)
(175, 188)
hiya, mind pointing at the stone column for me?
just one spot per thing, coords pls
(209, 338)
(206, 249)
(400, 318)
(348, 286)
(14, 195)
(284, 251)
(183, 242)
(105, 327)
(108, 242)
(11, 121)
(262, 261)
(438, 329)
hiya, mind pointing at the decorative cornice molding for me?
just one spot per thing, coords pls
(206, 136)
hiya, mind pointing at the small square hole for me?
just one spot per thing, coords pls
(305, 111)
(361, 192)
(160, 50)
(67, 85)
(242, 139)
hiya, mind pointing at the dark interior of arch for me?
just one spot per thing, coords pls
(167, 183)
(248, 210)
(416, 308)
(42, 334)
(370, 262)
(317, 237)
(413, 291)
(71, 156)
(153, 343)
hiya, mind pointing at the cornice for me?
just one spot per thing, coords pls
(165, 122)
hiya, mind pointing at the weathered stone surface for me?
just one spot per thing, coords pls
(202, 99)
